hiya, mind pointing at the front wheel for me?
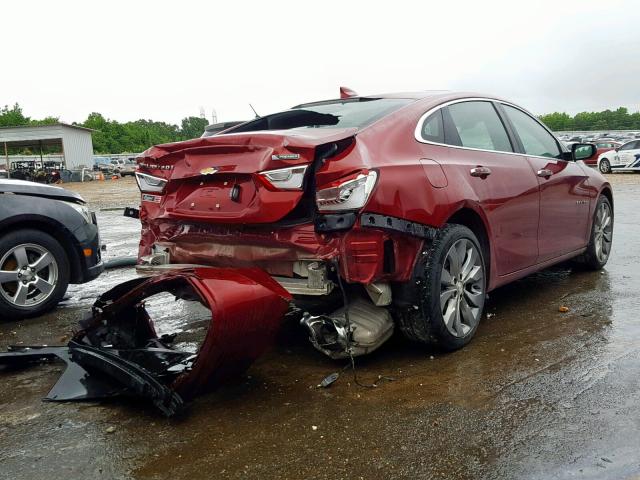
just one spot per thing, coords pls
(451, 276)
(605, 166)
(34, 274)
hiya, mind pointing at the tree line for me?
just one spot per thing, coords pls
(111, 136)
(619, 119)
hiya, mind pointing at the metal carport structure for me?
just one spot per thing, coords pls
(75, 142)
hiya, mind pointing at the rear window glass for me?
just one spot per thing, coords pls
(346, 113)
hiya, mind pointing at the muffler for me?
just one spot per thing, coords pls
(366, 328)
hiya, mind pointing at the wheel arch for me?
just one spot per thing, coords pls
(51, 227)
(607, 192)
(475, 222)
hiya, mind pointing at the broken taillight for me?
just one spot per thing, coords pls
(149, 183)
(350, 193)
(284, 178)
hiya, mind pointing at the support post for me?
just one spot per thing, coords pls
(6, 157)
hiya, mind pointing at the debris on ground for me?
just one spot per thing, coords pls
(116, 351)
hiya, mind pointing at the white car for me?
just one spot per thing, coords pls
(626, 158)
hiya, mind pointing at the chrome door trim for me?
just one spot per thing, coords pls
(418, 130)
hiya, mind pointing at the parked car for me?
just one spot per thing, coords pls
(414, 206)
(4, 173)
(103, 164)
(48, 239)
(123, 167)
(623, 158)
(602, 146)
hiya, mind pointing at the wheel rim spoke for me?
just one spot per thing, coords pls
(20, 298)
(474, 299)
(8, 276)
(44, 286)
(467, 312)
(446, 278)
(449, 315)
(20, 254)
(42, 262)
(475, 275)
(457, 325)
(446, 296)
(469, 263)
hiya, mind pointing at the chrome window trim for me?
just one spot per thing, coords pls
(418, 130)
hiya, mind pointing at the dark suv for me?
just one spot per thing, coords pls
(48, 239)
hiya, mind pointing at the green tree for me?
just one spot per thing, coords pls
(12, 117)
(193, 127)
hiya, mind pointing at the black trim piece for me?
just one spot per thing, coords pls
(514, 138)
(131, 212)
(451, 136)
(137, 380)
(385, 222)
(335, 222)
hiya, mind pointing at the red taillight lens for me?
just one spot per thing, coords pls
(350, 193)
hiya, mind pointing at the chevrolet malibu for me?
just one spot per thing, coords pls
(396, 211)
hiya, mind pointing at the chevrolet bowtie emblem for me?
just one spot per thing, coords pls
(208, 171)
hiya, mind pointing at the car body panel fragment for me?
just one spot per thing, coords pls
(116, 350)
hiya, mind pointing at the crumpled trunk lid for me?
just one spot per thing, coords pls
(217, 179)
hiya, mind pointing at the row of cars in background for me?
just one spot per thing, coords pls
(54, 171)
(115, 166)
(614, 152)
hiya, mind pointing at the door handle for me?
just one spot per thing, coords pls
(544, 172)
(480, 171)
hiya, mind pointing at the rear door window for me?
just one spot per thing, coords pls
(536, 140)
(478, 126)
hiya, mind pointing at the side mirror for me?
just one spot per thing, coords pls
(581, 151)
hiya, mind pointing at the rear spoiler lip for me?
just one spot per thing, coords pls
(268, 138)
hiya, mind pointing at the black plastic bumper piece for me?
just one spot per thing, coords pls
(385, 222)
(335, 222)
(131, 212)
(94, 373)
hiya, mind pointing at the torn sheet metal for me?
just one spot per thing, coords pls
(116, 351)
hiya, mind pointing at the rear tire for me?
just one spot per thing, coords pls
(601, 238)
(34, 274)
(605, 166)
(451, 289)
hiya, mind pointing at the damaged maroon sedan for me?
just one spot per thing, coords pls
(355, 216)
(410, 207)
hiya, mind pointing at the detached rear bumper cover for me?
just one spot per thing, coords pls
(117, 352)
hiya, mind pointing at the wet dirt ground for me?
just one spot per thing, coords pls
(537, 394)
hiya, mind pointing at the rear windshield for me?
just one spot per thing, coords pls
(346, 113)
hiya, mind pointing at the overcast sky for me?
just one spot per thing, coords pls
(164, 60)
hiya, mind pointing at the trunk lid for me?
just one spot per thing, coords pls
(217, 179)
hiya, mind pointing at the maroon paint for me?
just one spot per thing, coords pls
(247, 307)
(531, 222)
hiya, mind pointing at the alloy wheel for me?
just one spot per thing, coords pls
(603, 232)
(462, 288)
(28, 275)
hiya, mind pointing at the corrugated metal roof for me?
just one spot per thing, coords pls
(58, 124)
